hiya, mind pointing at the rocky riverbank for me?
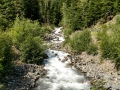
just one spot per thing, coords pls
(103, 73)
(23, 77)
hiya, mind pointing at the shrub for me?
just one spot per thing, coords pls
(109, 37)
(32, 50)
(28, 37)
(23, 28)
(67, 33)
(105, 44)
(80, 41)
(6, 55)
(3, 23)
(92, 49)
(118, 19)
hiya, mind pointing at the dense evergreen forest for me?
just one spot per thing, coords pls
(24, 23)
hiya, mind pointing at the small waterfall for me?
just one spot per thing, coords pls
(60, 76)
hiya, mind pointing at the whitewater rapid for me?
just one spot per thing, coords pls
(59, 75)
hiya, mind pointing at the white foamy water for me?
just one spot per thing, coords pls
(59, 76)
(59, 38)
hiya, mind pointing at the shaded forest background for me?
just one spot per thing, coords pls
(24, 23)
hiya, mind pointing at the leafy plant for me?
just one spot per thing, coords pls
(6, 55)
(110, 41)
(23, 28)
(28, 37)
(92, 49)
(80, 41)
(33, 50)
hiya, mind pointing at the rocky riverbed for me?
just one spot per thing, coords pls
(23, 77)
(102, 74)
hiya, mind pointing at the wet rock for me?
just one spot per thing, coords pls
(56, 54)
(92, 61)
(79, 63)
(108, 86)
(84, 63)
(89, 75)
(69, 65)
(84, 70)
(48, 37)
(32, 85)
(59, 58)
(65, 58)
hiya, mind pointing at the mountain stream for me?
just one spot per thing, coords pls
(59, 75)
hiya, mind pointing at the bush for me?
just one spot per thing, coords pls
(67, 33)
(23, 28)
(80, 41)
(92, 49)
(3, 23)
(118, 19)
(105, 43)
(28, 37)
(109, 37)
(6, 55)
(32, 50)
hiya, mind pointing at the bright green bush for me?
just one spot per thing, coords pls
(28, 37)
(32, 50)
(23, 28)
(80, 41)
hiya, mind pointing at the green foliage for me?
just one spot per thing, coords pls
(80, 41)
(98, 85)
(67, 32)
(81, 14)
(6, 55)
(32, 50)
(109, 38)
(28, 37)
(117, 19)
(3, 23)
(105, 43)
(92, 49)
(117, 5)
(50, 11)
(23, 28)
(9, 9)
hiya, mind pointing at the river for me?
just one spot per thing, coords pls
(59, 75)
